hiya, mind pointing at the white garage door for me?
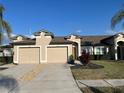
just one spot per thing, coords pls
(57, 54)
(29, 55)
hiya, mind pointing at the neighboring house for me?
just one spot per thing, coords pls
(47, 48)
(6, 51)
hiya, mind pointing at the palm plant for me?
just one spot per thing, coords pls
(119, 16)
(4, 26)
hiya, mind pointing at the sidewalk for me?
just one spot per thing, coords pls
(101, 83)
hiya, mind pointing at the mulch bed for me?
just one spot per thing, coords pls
(88, 66)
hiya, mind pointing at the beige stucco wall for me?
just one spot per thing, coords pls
(78, 41)
(43, 41)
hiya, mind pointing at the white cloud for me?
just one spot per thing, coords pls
(79, 31)
(30, 36)
(110, 31)
(113, 32)
(5, 34)
(13, 34)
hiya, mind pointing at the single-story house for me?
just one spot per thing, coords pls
(47, 48)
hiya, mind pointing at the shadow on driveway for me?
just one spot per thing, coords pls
(3, 68)
(8, 85)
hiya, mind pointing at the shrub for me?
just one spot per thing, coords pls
(84, 58)
(71, 59)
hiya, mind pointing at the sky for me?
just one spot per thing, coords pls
(62, 17)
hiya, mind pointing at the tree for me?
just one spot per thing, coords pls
(118, 17)
(4, 26)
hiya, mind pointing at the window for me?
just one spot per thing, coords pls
(89, 49)
(97, 51)
(1, 54)
(101, 50)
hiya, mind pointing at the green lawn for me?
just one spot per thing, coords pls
(110, 70)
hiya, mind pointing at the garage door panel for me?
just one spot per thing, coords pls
(29, 55)
(57, 54)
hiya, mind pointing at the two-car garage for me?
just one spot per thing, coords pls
(54, 54)
(44, 48)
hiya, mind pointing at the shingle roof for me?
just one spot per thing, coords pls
(112, 36)
(15, 37)
(24, 42)
(93, 40)
(60, 40)
(85, 40)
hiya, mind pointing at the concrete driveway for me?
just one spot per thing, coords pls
(53, 78)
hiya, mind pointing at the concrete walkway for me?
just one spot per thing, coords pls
(54, 78)
(101, 83)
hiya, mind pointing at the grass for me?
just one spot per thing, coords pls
(109, 70)
(100, 70)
